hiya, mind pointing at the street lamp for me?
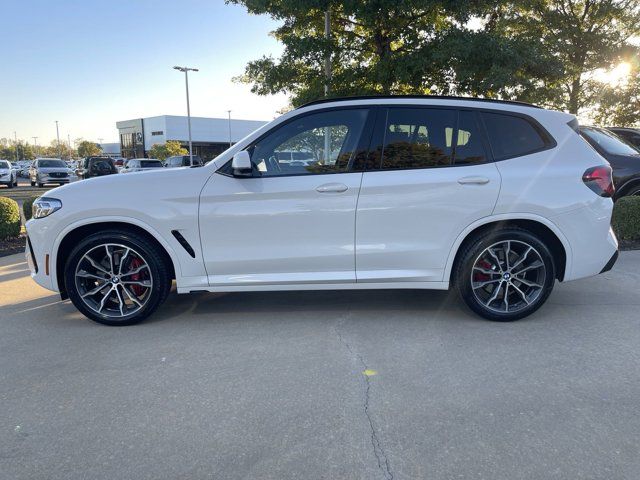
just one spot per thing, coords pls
(58, 136)
(15, 136)
(229, 112)
(186, 71)
(35, 145)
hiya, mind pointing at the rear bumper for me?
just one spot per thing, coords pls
(611, 262)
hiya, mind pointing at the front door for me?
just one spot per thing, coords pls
(293, 220)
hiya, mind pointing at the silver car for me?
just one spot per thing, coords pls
(8, 175)
(48, 170)
(141, 165)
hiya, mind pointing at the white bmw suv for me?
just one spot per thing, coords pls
(497, 199)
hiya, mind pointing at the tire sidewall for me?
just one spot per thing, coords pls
(148, 253)
(471, 253)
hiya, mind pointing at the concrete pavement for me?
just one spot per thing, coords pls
(323, 385)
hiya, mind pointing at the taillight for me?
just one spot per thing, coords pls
(600, 180)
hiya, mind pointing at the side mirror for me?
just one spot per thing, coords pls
(241, 164)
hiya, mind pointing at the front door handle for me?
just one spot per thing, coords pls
(473, 181)
(332, 188)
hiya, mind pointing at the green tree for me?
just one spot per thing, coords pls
(57, 151)
(88, 149)
(169, 149)
(582, 35)
(620, 105)
(395, 47)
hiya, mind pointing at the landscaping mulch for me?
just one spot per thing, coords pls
(629, 245)
(12, 246)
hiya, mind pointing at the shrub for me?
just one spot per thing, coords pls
(626, 218)
(26, 207)
(9, 218)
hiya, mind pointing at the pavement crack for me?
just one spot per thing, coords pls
(378, 451)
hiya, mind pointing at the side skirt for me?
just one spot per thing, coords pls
(318, 286)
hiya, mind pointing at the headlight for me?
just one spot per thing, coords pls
(43, 207)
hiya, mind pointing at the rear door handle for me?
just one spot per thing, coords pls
(332, 188)
(473, 181)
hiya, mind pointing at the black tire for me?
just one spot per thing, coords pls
(33, 184)
(509, 280)
(15, 184)
(158, 271)
(10, 184)
(40, 185)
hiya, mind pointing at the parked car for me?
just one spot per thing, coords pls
(630, 135)
(495, 199)
(182, 161)
(48, 171)
(623, 157)
(96, 167)
(23, 168)
(141, 165)
(8, 174)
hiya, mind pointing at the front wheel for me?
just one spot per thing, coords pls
(505, 275)
(116, 277)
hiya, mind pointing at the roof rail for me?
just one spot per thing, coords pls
(425, 97)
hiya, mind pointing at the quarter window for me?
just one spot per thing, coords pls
(318, 143)
(511, 136)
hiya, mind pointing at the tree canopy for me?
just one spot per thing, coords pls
(88, 149)
(162, 151)
(543, 51)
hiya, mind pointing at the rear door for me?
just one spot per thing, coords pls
(431, 177)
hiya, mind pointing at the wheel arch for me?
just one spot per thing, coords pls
(72, 234)
(539, 226)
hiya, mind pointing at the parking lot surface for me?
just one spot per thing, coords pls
(323, 385)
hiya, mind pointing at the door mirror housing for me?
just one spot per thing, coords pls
(241, 164)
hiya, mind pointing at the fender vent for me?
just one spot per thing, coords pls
(182, 241)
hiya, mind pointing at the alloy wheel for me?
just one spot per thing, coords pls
(113, 280)
(508, 276)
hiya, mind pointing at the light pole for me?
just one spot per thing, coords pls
(229, 113)
(186, 71)
(15, 137)
(35, 145)
(69, 142)
(58, 137)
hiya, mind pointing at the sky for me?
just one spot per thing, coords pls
(91, 63)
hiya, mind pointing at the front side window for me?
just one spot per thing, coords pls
(4, 164)
(317, 143)
(511, 136)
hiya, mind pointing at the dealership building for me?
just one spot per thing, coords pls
(210, 136)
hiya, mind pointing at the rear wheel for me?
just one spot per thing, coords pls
(117, 277)
(505, 275)
(10, 184)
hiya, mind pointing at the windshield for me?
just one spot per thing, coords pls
(4, 164)
(609, 142)
(151, 164)
(51, 164)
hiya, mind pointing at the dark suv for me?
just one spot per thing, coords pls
(96, 167)
(623, 157)
(630, 135)
(182, 161)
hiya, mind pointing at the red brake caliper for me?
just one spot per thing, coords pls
(478, 276)
(136, 277)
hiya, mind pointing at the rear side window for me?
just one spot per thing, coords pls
(418, 138)
(469, 149)
(431, 137)
(512, 136)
